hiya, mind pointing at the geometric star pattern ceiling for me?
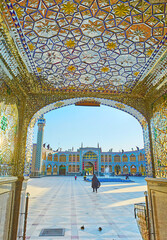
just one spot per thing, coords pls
(90, 44)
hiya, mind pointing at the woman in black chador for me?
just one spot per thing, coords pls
(95, 183)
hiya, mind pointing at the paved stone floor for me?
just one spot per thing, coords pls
(62, 202)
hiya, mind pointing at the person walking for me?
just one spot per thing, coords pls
(95, 183)
(75, 177)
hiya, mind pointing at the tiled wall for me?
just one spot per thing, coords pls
(7, 191)
(159, 135)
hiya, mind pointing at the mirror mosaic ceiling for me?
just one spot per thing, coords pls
(89, 44)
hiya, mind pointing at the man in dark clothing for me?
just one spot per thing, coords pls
(95, 183)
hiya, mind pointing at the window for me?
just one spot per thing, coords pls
(90, 156)
(78, 158)
(141, 157)
(117, 158)
(110, 158)
(62, 158)
(102, 158)
(132, 158)
(78, 168)
(55, 158)
(69, 168)
(105, 158)
(125, 158)
(49, 157)
(70, 158)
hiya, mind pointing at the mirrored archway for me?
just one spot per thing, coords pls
(106, 102)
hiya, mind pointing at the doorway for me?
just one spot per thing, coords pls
(62, 170)
(89, 168)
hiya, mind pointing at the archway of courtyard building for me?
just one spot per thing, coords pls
(142, 170)
(62, 170)
(107, 102)
(43, 169)
(89, 168)
(117, 170)
(55, 170)
(49, 170)
(133, 169)
(125, 169)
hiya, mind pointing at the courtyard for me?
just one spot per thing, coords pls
(62, 202)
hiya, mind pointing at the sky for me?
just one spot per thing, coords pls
(69, 126)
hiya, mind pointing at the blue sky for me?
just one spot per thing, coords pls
(70, 126)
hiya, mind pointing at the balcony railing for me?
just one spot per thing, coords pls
(142, 220)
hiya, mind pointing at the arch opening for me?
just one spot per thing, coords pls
(62, 170)
(105, 102)
(89, 168)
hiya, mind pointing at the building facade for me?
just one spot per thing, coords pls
(91, 160)
(86, 160)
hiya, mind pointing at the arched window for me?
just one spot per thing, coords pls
(89, 156)
(110, 168)
(141, 157)
(125, 158)
(62, 158)
(102, 169)
(117, 169)
(117, 158)
(49, 169)
(55, 158)
(125, 169)
(142, 169)
(73, 158)
(77, 168)
(55, 170)
(69, 168)
(132, 158)
(70, 158)
(133, 169)
(49, 157)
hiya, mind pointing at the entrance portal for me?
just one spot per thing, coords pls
(62, 170)
(89, 168)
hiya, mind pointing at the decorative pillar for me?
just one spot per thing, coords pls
(99, 162)
(38, 160)
(67, 163)
(151, 148)
(18, 169)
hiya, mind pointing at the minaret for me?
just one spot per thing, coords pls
(38, 161)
